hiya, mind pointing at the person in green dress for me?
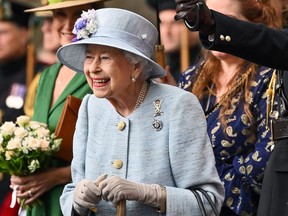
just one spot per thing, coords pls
(55, 84)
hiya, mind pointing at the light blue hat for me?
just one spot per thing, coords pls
(116, 28)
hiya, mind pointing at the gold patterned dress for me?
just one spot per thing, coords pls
(241, 151)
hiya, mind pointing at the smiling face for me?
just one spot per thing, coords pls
(64, 20)
(109, 72)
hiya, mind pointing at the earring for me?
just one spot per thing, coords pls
(133, 79)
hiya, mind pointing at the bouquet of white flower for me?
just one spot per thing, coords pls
(25, 147)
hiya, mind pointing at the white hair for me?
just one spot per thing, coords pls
(145, 67)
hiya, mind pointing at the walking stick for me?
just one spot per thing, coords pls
(31, 53)
(185, 60)
(160, 56)
(30, 63)
(159, 48)
(120, 209)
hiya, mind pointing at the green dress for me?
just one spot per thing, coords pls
(77, 87)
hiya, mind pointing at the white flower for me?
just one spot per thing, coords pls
(34, 165)
(25, 148)
(89, 14)
(8, 128)
(91, 26)
(44, 145)
(8, 155)
(22, 120)
(1, 149)
(42, 132)
(34, 125)
(56, 145)
(85, 14)
(33, 143)
(20, 132)
(82, 34)
(14, 144)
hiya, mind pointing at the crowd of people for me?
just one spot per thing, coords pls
(217, 128)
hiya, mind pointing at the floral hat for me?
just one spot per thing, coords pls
(57, 4)
(116, 28)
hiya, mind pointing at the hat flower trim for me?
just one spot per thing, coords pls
(86, 25)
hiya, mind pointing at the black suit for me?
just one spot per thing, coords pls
(267, 47)
(254, 42)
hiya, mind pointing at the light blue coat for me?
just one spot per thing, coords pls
(177, 156)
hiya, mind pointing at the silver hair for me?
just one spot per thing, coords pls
(145, 67)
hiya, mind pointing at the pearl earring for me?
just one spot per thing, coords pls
(133, 79)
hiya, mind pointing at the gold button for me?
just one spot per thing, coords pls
(222, 37)
(121, 126)
(228, 38)
(118, 164)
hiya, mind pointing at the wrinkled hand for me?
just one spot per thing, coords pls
(196, 14)
(115, 189)
(86, 195)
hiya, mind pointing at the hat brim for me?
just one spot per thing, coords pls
(64, 4)
(43, 14)
(73, 55)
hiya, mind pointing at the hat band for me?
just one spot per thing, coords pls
(141, 44)
(50, 2)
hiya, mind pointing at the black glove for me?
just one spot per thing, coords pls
(196, 14)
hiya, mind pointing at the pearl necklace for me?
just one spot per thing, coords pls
(141, 95)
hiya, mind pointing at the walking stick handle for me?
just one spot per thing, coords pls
(160, 58)
(120, 209)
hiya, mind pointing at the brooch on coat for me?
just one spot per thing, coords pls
(157, 124)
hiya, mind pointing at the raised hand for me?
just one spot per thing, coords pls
(197, 15)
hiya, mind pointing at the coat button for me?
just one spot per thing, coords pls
(121, 126)
(222, 38)
(118, 164)
(228, 38)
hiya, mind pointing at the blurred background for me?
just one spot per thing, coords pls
(139, 6)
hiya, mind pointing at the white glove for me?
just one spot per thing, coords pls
(86, 195)
(115, 189)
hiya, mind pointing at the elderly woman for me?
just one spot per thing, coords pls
(56, 83)
(135, 140)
